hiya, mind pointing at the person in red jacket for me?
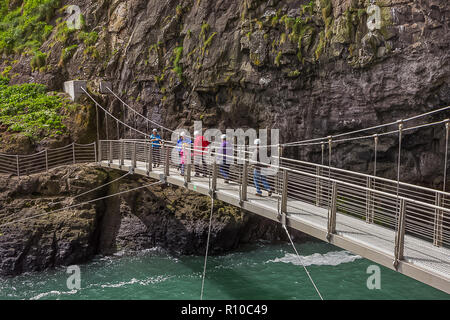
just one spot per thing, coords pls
(200, 146)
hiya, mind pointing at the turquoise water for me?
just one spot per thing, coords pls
(259, 271)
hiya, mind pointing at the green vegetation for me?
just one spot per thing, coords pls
(308, 8)
(179, 10)
(178, 51)
(204, 31)
(89, 38)
(67, 53)
(321, 45)
(5, 72)
(38, 61)
(27, 108)
(278, 58)
(25, 27)
(4, 81)
(63, 32)
(92, 51)
(294, 74)
(209, 40)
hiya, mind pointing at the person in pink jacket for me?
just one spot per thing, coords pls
(200, 149)
(182, 160)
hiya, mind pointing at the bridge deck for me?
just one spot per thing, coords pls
(422, 261)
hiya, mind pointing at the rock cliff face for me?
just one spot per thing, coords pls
(163, 216)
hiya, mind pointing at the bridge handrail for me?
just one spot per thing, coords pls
(321, 177)
(368, 176)
(394, 182)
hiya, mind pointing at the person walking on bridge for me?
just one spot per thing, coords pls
(200, 146)
(183, 147)
(258, 177)
(155, 139)
(225, 158)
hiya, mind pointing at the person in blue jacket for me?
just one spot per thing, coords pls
(183, 141)
(155, 139)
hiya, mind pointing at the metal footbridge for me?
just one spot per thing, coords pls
(401, 226)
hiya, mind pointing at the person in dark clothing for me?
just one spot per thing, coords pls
(258, 177)
(225, 153)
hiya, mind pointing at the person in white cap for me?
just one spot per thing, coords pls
(155, 139)
(200, 146)
(225, 158)
(183, 142)
(258, 177)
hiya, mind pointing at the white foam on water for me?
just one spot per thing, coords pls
(143, 282)
(53, 293)
(332, 258)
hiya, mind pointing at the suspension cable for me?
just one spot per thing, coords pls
(137, 113)
(96, 116)
(207, 247)
(309, 140)
(301, 262)
(112, 116)
(99, 187)
(79, 204)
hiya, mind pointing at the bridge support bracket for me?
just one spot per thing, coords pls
(162, 178)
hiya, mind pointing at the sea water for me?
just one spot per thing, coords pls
(258, 271)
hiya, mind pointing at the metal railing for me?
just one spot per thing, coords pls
(417, 211)
(22, 165)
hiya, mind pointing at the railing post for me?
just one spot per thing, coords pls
(369, 201)
(100, 151)
(95, 152)
(244, 181)
(318, 187)
(150, 158)
(133, 156)
(284, 193)
(188, 167)
(18, 168)
(46, 160)
(110, 154)
(438, 217)
(214, 178)
(167, 161)
(400, 235)
(188, 174)
(73, 153)
(122, 154)
(333, 209)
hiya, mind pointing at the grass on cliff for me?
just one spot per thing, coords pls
(29, 109)
(27, 26)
